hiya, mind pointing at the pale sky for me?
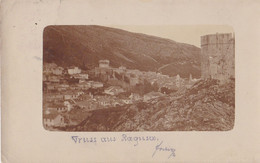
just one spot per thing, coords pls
(181, 33)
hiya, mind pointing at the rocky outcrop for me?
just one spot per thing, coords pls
(207, 106)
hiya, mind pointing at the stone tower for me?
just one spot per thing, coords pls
(103, 63)
(218, 56)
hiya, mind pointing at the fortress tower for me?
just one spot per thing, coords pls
(218, 56)
(103, 63)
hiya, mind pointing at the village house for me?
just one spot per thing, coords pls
(57, 108)
(70, 95)
(53, 120)
(53, 96)
(54, 79)
(120, 69)
(123, 68)
(63, 87)
(103, 63)
(116, 82)
(104, 71)
(96, 84)
(84, 76)
(84, 104)
(135, 71)
(68, 105)
(104, 101)
(57, 70)
(48, 67)
(44, 77)
(113, 90)
(74, 87)
(82, 80)
(80, 93)
(50, 87)
(84, 85)
(81, 76)
(46, 70)
(74, 70)
(88, 104)
(85, 97)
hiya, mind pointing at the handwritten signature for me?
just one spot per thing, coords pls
(164, 149)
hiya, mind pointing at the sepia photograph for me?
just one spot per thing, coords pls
(130, 81)
(134, 78)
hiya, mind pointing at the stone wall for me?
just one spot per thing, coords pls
(218, 56)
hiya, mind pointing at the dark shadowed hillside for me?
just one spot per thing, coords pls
(83, 46)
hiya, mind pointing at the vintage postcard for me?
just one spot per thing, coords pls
(130, 81)
(98, 78)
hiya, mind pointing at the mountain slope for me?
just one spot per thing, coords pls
(83, 46)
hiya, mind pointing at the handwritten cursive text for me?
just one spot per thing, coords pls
(160, 148)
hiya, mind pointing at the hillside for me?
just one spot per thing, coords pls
(207, 106)
(83, 46)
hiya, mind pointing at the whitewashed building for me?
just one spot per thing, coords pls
(74, 70)
(53, 120)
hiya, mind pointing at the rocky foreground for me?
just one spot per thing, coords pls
(207, 106)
